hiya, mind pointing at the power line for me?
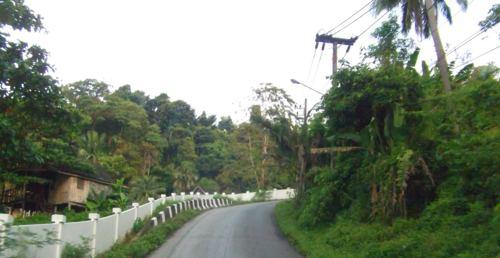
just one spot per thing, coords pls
(481, 55)
(340, 24)
(465, 41)
(311, 65)
(375, 22)
(317, 67)
(355, 20)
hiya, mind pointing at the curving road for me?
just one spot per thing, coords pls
(244, 231)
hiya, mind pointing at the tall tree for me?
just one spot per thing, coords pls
(32, 111)
(492, 19)
(423, 15)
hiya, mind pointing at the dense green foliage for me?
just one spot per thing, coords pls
(422, 177)
(151, 144)
(76, 251)
(437, 234)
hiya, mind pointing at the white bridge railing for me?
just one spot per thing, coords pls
(101, 233)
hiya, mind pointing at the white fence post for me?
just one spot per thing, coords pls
(173, 197)
(136, 210)
(183, 196)
(93, 218)
(170, 212)
(163, 198)
(117, 212)
(4, 219)
(59, 220)
(191, 194)
(162, 215)
(151, 203)
(175, 209)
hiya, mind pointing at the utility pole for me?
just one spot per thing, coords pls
(329, 39)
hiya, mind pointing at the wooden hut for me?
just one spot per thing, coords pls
(54, 188)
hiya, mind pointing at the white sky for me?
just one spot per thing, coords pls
(212, 53)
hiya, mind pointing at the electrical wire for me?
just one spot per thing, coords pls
(349, 24)
(311, 65)
(481, 55)
(375, 22)
(340, 24)
(317, 67)
(463, 42)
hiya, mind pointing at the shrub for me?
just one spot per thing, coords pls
(76, 251)
(261, 195)
(151, 240)
(209, 184)
(138, 225)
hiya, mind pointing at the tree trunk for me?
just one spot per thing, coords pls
(252, 163)
(263, 163)
(438, 45)
(302, 169)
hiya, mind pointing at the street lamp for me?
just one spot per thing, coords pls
(300, 83)
(303, 146)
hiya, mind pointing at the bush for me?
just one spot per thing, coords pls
(39, 218)
(138, 225)
(151, 240)
(261, 195)
(473, 233)
(76, 251)
(209, 184)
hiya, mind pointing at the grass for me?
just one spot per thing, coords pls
(151, 240)
(475, 234)
(73, 216)
(42, 218)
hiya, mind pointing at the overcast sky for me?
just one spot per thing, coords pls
(212, 53)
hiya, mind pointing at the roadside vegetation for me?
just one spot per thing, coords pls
(140, 246)
(420, 177)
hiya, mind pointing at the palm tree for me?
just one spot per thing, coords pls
(144, 187)
(422, 14)
(184, 176)
(91, 144)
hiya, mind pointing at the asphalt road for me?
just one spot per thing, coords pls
(243, 231)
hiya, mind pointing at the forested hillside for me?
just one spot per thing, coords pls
(147, 142)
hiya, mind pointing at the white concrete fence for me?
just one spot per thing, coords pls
(102, 233)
